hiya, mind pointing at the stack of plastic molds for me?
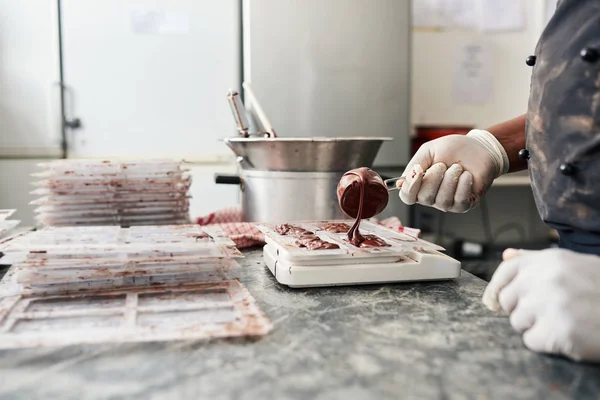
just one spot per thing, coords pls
(59, 260)
(112, 192)
(113, 284)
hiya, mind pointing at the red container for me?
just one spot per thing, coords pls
(425, 133)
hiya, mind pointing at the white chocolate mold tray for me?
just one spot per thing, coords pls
(406, 258)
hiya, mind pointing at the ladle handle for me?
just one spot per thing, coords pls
(239, 112)
(394, 183)
(227, 179)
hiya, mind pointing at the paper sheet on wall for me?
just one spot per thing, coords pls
(474, 75)
(427, 13)
(158, 22)
(461, 14)
(502, 16)
(481, 15)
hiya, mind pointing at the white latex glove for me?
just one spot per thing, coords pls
(553, 298)
(451, 173)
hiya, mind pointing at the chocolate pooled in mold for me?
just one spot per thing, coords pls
(305, 238)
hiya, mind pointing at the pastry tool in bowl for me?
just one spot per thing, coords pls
(259, 111)
(239, 112)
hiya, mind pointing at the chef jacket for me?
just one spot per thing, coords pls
(563, 124)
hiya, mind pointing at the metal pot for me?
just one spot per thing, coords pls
(295, 179)
(276, 196)
(315, 154)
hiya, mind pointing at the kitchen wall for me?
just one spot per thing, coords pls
(433, 102)
(433, 72)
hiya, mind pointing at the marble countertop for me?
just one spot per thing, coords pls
(421, 341)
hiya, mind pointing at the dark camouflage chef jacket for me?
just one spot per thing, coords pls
(563, 124)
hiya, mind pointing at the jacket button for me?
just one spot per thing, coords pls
(567, 169)
(589, 54)
(530, 60)
(524, 155)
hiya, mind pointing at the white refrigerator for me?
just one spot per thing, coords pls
(332, 68)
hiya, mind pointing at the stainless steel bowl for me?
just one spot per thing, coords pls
(306, 154)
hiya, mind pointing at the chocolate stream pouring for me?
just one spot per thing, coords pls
(362, 193)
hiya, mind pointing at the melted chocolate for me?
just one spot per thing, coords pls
(362, 194)
(336, 227)
(373, 241)
(292, 230)
(306, 238)
(315, 243)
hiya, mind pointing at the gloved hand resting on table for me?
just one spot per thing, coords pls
(451, 173)
(553, 298)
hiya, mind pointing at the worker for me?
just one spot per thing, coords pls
(552, 295)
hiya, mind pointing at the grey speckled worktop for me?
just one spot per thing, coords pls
(421, 341)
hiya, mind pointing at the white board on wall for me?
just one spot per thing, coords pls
(433, 99)
(150, 78)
